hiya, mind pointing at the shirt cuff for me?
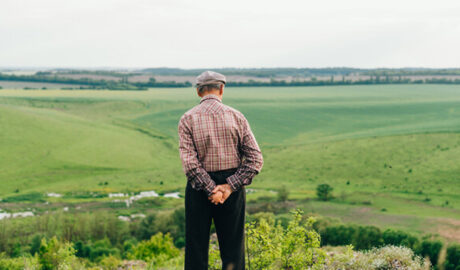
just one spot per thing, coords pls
(210, 186)
(200, 180)
(234, 181)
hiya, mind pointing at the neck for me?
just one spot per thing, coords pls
(212, 93)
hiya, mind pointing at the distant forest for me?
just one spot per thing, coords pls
(123, 79)
(304, 72)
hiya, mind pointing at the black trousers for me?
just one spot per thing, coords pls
(228, 220)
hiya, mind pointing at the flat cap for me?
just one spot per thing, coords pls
(210, 77)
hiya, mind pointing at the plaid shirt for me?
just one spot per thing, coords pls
(214, 137)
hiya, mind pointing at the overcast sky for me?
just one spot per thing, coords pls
(236, 33)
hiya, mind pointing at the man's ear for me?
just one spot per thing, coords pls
(198, 92)
(221, 90)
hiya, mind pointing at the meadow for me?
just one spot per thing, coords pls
(391, 152)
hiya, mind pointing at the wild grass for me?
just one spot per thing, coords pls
(391, 152)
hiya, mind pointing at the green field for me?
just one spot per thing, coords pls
(391, 152)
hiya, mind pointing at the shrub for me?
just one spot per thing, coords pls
(399, 238)
(110, 262)
(338, 235)
(97, 250)
(30, 197)
(35, 244)
(367, 237)
(54, 254)
(147, 227)
(176, 227)
(362, 237)
(26, 262)
(159, 249)
(7, 263)
(452, 258)
(102, 248)
(283, 194)
(270, 246)
(324, 192)
(388, 257)
(430, 249)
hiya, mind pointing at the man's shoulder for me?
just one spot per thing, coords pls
(190, 112)
(234, 111)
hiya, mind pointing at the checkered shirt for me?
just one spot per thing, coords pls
(214, 137)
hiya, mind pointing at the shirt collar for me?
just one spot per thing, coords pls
(209, 97)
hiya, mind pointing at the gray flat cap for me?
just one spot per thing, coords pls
(210, 77)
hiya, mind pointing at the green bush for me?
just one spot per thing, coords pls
(147, 227)
(367, 237)
(324, 192)
(54, 254)
(283, 194)
(399, 238)
(362, 237)
(7, 263)
(110, 262)
(29, 197)
(97, 250)
(384, 258)
(339, 235)
(452, 258)
(270, 246)
(430, 249)
(159, 249)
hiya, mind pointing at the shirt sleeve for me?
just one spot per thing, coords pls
(196, 175)
(252, 160)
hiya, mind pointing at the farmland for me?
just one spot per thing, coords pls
(391, 152)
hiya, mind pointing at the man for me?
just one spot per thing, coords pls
(219, 156)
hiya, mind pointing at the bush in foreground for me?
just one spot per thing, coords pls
(156, 251)
(269, 246)
(388, 258)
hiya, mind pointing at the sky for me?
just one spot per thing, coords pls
(236, 33)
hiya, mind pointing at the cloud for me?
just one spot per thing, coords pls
(141, 33)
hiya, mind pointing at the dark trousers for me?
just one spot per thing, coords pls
(228, 220)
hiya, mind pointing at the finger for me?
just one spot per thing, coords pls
(217, 189)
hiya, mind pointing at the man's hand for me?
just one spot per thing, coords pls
(226, 191)
(216, 197)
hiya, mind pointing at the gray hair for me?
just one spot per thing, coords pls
(209, 87)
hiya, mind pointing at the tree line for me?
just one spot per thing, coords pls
(125, 84)
(88, 83)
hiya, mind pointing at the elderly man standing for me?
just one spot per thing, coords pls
(219, 156)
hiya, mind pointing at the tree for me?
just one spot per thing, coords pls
(35, 244)
(453, 257)
(324, 192)
(148, 227)
(283, 194)
(430, 249)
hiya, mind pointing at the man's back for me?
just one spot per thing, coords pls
(215, 137)
(217, 132)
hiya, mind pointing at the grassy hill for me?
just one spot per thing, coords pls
(392, 153)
